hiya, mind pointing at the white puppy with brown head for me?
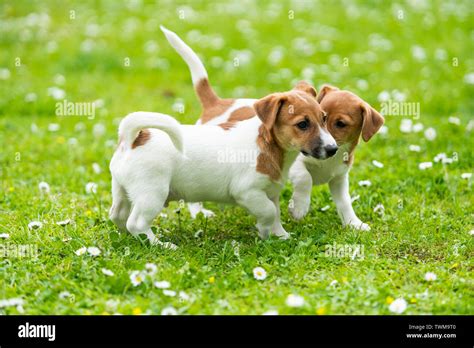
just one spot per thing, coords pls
(349, 117)
(159, 160)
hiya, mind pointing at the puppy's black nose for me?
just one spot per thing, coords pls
(330, 150)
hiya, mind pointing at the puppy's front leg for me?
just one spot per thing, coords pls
(339, 187)
(277, 228)
(258, 204)
(302, 182)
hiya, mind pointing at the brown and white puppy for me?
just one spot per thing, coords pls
(184, 162)
(349, 117)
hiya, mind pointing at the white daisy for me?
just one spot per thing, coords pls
(439, 157)
(151, 268)
(81, 251)
(34, 225)
(64, 294)
(98, 130)
(183, 296)
(471, 232)
(96, 168)
(379, 208)
(30, 98)
(333, 283)
(406, 125)
(383, 96)
(454, 120)
(162, 285)
(470, 125)
(377, 164)
(466, 175)
(56, 93)
(64, 222)
(137, 277)
(93, 251)
(398, 306)
(425, 165)
(107, 272)
(325, 208)
(259, 273)
(383, 130)
(44, 187)
(91, 187)
(469, 78)
(430, 276)
(355, 198)
(270, 312)
(430, 134)
(4, 235)
(414, 148)
(294, 300)
(169, 311)
(365, 183)
(417, 127)
(169, 293)
(4, 74)
(53, 127)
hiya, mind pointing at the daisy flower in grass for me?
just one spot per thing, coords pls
(169, 293)
(425, 165)
(295, 301)
(271, 312)
(81, 251)
(91, 187)
(4, 235)
(44, 187)
(93, 251)
(162, 284)
(34, 225)
(365, 183)
(430, 276)
(259, 273)
(414, 148)
(398, 306)
(169, 311)
(64, 222)
(137, 277)
(377, 164)
(107, 272)
(466, 175)
(430, 134)
(151, 268)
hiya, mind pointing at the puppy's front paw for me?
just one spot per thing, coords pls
(281, 233)
(298, 209)
(359, 225)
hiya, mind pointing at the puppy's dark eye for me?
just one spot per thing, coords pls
(325, 118)
(340, 124)
(303, 125)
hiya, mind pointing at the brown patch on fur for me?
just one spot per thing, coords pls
(240, 114)
(142, 138)
(212, 105)
(348, 117)
(270, 159)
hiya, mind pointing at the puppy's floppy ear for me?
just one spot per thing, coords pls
(325, 90)
(371, 121)
(306, 87)
(268, 108)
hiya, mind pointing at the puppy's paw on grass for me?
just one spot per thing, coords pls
(358, 225)
(299, 211)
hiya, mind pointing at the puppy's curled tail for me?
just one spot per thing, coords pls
(136, 121)
(203, 89)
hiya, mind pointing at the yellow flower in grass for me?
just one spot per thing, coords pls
(413, 300)
(137, 311)
(389, 299)
(212, 279)
(61, 140)
(321, 311)
(88, 213)
(11, 189)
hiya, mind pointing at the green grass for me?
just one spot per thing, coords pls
(428, 214)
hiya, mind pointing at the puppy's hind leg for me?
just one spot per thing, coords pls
(146, 207)
(121, 206)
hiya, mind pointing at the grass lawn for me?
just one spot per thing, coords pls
(114, 53)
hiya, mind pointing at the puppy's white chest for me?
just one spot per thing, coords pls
(323, 171)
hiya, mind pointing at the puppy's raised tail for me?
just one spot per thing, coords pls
(136, 121)
(203, 89)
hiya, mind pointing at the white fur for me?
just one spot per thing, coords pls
(198, 71)
(144, 179)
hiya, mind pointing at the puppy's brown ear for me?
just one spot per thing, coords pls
(306, 87)
(325, 90)
(371, 121)
(268, 108)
